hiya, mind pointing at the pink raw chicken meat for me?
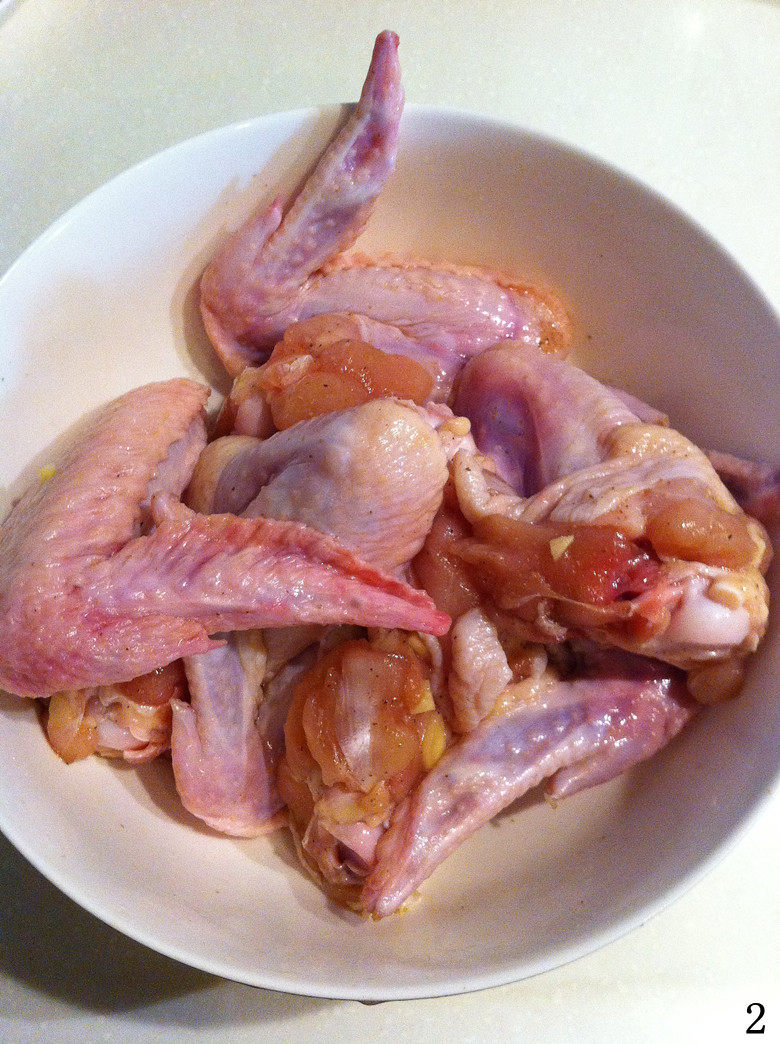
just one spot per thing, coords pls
(576, 733)
(370, 476)
(579, 457)
(226, 742)
(87, 599)
(130, 720)
(279, 269)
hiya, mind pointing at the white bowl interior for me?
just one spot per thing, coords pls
(104, 302)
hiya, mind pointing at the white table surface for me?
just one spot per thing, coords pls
(680, 94)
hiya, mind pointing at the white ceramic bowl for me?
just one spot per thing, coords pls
(105, 301)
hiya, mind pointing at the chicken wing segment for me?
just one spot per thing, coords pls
(89, 597)
(223, 763)
(262, 268)
(283, 267)
(380, 791)
(371, 476)
(621, 530)
(579, 732)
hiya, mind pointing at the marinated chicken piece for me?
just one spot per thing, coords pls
(622, 532)
(439, 571)
(131, 720)
(377, 801)
(371, 476)
(479, 670)
(362, 731)
(87, 601)
(576, 732)
(278, 270)
(755, 485)
(321, 365)
(223, 764)
(438, 567)
(257, 275)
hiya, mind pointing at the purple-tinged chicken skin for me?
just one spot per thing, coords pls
(575, 733)
(223, 764)
(540, 419)
(755, 485)
(280, 268)
(87, 598)
(249, 290)
(671, 566)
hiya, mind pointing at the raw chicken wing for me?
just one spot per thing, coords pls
(277, 269)
(579, 732)
(87, 598)
(223, 763)
(622, 531)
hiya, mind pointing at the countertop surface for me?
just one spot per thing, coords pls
(679, 94)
